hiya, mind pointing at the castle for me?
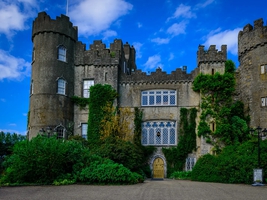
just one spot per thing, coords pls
(62, 68)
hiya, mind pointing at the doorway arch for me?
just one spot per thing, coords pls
(158, 171)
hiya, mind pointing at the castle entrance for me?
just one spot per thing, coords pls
(158, 168)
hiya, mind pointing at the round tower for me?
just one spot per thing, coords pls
(252, 72)
(52, 79)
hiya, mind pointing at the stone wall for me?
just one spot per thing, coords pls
(251, 82)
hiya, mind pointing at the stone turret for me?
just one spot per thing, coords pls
(211, 61)
(52, 80)
(252, 72)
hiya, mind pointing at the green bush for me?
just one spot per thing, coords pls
(45, 160)
(234, 164)
(108, 172)
(130, 155)
(182, 175)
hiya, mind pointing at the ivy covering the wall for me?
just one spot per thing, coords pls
(100, 96)
(176, 156)
(219, 111)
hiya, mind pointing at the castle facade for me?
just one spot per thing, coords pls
(62, 68)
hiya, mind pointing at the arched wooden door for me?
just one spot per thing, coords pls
(158, 168)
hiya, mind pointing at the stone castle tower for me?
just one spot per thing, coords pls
(52, 81)
(252, 72)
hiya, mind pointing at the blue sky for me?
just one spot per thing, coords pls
(165, 33)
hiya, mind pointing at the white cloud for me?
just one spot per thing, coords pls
(3, 100)
(12, 124)
(153, 62)
(171, 57)
(109, 33)
(177, 28)
(204, 4)
(13, 16)
(12, 67)
(228, 37)
(183, 11)
(139, 25)
(161, 40)
(94, 16)
(137, 46)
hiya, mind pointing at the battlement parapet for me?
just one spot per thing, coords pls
(62, 25)
(158, 76)
(99, 54)
(211, 55)
(252, 37)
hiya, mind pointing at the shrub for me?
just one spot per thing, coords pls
(235, 164)
(183, 175)
(42, 160)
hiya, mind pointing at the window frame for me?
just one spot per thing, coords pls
(161, 97)
(61, 88)
(86, 90)
(62, 53)
(159, 133)
(84, 127)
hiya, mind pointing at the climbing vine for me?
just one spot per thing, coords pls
(100, 96)
(222, 121)
(176, 156)
(80, 101)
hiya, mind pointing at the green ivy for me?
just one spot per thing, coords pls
(82, 102)
(100, 96)
(176, 156)
(217, 106)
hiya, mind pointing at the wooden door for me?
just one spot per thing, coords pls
(158, 168)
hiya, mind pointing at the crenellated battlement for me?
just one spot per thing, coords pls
(251, 37)
(62, 25)
(211, 55)
(158, 76)
(99, 54)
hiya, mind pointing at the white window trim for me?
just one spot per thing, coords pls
(190, 163)
(86, 87)
(62, 53)
(59, 87)
(155, 127)
(157, 97)
(84, 128)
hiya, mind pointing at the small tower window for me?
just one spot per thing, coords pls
(212, 71)
(62, 53)
(86, 87)
(61, 86)
(84, 130)
(31, 89)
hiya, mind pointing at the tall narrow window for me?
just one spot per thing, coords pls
(84, 131)
(62, 53)
(61, 86)
(86, 86)
(31, 89)
(60, 131)
(212, 71)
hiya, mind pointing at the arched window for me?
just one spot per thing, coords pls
(159, 133)
(61, 86)
(62, 53)
(60, 131)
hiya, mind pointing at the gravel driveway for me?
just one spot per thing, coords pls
(154, 190)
